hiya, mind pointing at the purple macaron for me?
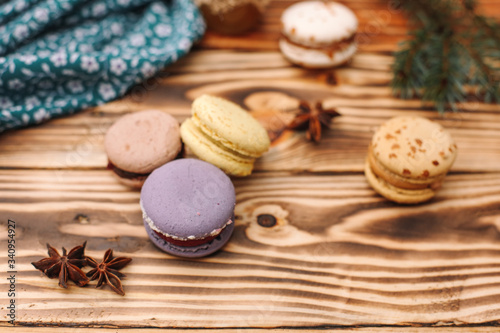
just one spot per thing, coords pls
(188, 208)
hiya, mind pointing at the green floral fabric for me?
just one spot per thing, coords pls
(60, 56)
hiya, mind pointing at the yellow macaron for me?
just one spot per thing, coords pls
(224, 134)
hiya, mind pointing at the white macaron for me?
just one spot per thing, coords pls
(318, 34)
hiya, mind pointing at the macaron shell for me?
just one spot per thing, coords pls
(228, 124)
(312, 58)
(399, 195)
(188, 198)
(191, 251)
(141, 141)
(206, 149)
(400, 181)
(414, 147)
(316, 23)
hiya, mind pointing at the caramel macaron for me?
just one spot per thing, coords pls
(140, 142)
(408, 159)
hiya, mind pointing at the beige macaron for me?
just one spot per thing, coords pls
(139, 142)
(224, 134)
(408, 159)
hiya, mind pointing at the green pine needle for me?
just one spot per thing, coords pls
(452, 54)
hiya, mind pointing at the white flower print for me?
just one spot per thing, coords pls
(85, 48)
(137, 40)
(184, 44)
(31, 102)
(40, 115)
(147, 69)
(111, 50)
(89, 64)
(99, 9)
(75, 86)
(21, 31)
(151, 19)
(71, 47)
(15, 84)
(43, 53)
(123, 2)
(52, 37)
(80, 33)
(118, 66)
(41, 15)
(60, 103)
(28, 59)
(163, 30)
(117, 28)
(26, 118)
(158, 9)
(59, 59)
(21, 5)
(8, 7)
(2, 60)
(156, 51)
(5, 102)
(106, 91)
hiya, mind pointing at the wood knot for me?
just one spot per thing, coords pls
(81, 218)
(331, 79)
(266, 220)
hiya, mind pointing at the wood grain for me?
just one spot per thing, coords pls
(339, 254)
(339, 258)
(382, 26)
(470, 329)
(76, 142)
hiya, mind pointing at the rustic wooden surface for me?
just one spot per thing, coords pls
(340, 257)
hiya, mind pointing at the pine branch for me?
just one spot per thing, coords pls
(450, 47)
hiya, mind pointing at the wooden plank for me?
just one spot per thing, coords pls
(381, 27)
(239, 330)
(340, 258)
(76, 141)
(339, 255)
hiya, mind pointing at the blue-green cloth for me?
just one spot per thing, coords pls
(61, 56)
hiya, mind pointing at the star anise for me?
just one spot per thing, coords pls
(107, 271)
(64, 267)
(313, 118)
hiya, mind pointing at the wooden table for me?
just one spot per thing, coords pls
(340, 256)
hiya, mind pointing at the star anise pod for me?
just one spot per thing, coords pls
(107, 271)
(313, 118)
(64, 267)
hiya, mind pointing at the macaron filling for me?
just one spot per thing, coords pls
(126, 174)
(214, 137)
(329, 49)
(397, 194)
(190, 242)
(184, 241)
